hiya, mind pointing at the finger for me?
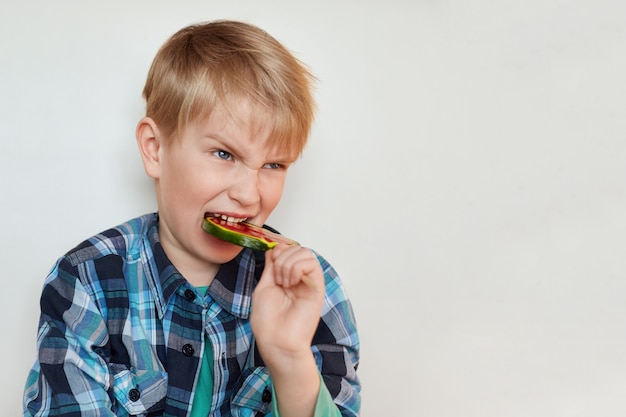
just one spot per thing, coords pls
(292, 264)
(285, 261)
(275, 261)
(267, 277)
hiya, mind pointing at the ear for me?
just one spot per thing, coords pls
(150, 142)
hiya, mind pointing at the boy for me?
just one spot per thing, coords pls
(156, 317)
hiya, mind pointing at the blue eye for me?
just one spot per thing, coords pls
(273, 165)
(223, 155)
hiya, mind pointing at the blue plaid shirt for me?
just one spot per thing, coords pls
(121, 333)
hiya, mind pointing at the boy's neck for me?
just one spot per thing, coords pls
(196, 272)
(199, 280)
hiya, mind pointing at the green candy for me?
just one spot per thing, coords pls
(244, 234)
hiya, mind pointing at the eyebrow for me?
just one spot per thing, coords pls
(284, 158)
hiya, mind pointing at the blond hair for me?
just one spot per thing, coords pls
(215, 63)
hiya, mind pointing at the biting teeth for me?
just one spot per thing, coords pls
(230, 219)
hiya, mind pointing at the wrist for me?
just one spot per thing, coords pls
(280, 361)
(297, 384)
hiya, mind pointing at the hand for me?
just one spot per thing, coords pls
(285, 308)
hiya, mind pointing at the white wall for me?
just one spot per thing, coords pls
(466, 176)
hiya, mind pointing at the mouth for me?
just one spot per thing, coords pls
(226, 218)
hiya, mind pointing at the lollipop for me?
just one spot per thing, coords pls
(247, 235)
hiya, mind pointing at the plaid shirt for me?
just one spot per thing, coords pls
(121, 333)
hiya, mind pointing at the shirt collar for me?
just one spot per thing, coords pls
(235, 281)
(231, 288)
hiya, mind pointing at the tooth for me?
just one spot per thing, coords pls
(230, 219)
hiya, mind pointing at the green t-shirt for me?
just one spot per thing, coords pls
(204, 388)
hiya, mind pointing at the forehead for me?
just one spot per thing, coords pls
(243, 113)
(242, 119)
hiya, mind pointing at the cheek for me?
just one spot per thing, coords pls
(272, 192)
(187, 175)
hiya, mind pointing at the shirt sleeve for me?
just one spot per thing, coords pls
(336, 346)
(324, 407)
(69, 377)
(82, 367)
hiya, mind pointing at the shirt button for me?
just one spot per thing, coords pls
(188, 350)
(267, 395)
(190, 295)
(134, 395)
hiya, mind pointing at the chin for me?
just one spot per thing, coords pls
(221, 251)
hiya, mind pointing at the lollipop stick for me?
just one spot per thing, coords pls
(308, 281)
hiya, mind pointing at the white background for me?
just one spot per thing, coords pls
(466, 176)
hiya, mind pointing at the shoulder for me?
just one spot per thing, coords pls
(124, 240)
(105, 254)
(97, 268)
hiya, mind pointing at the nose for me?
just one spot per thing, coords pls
(245, 187)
